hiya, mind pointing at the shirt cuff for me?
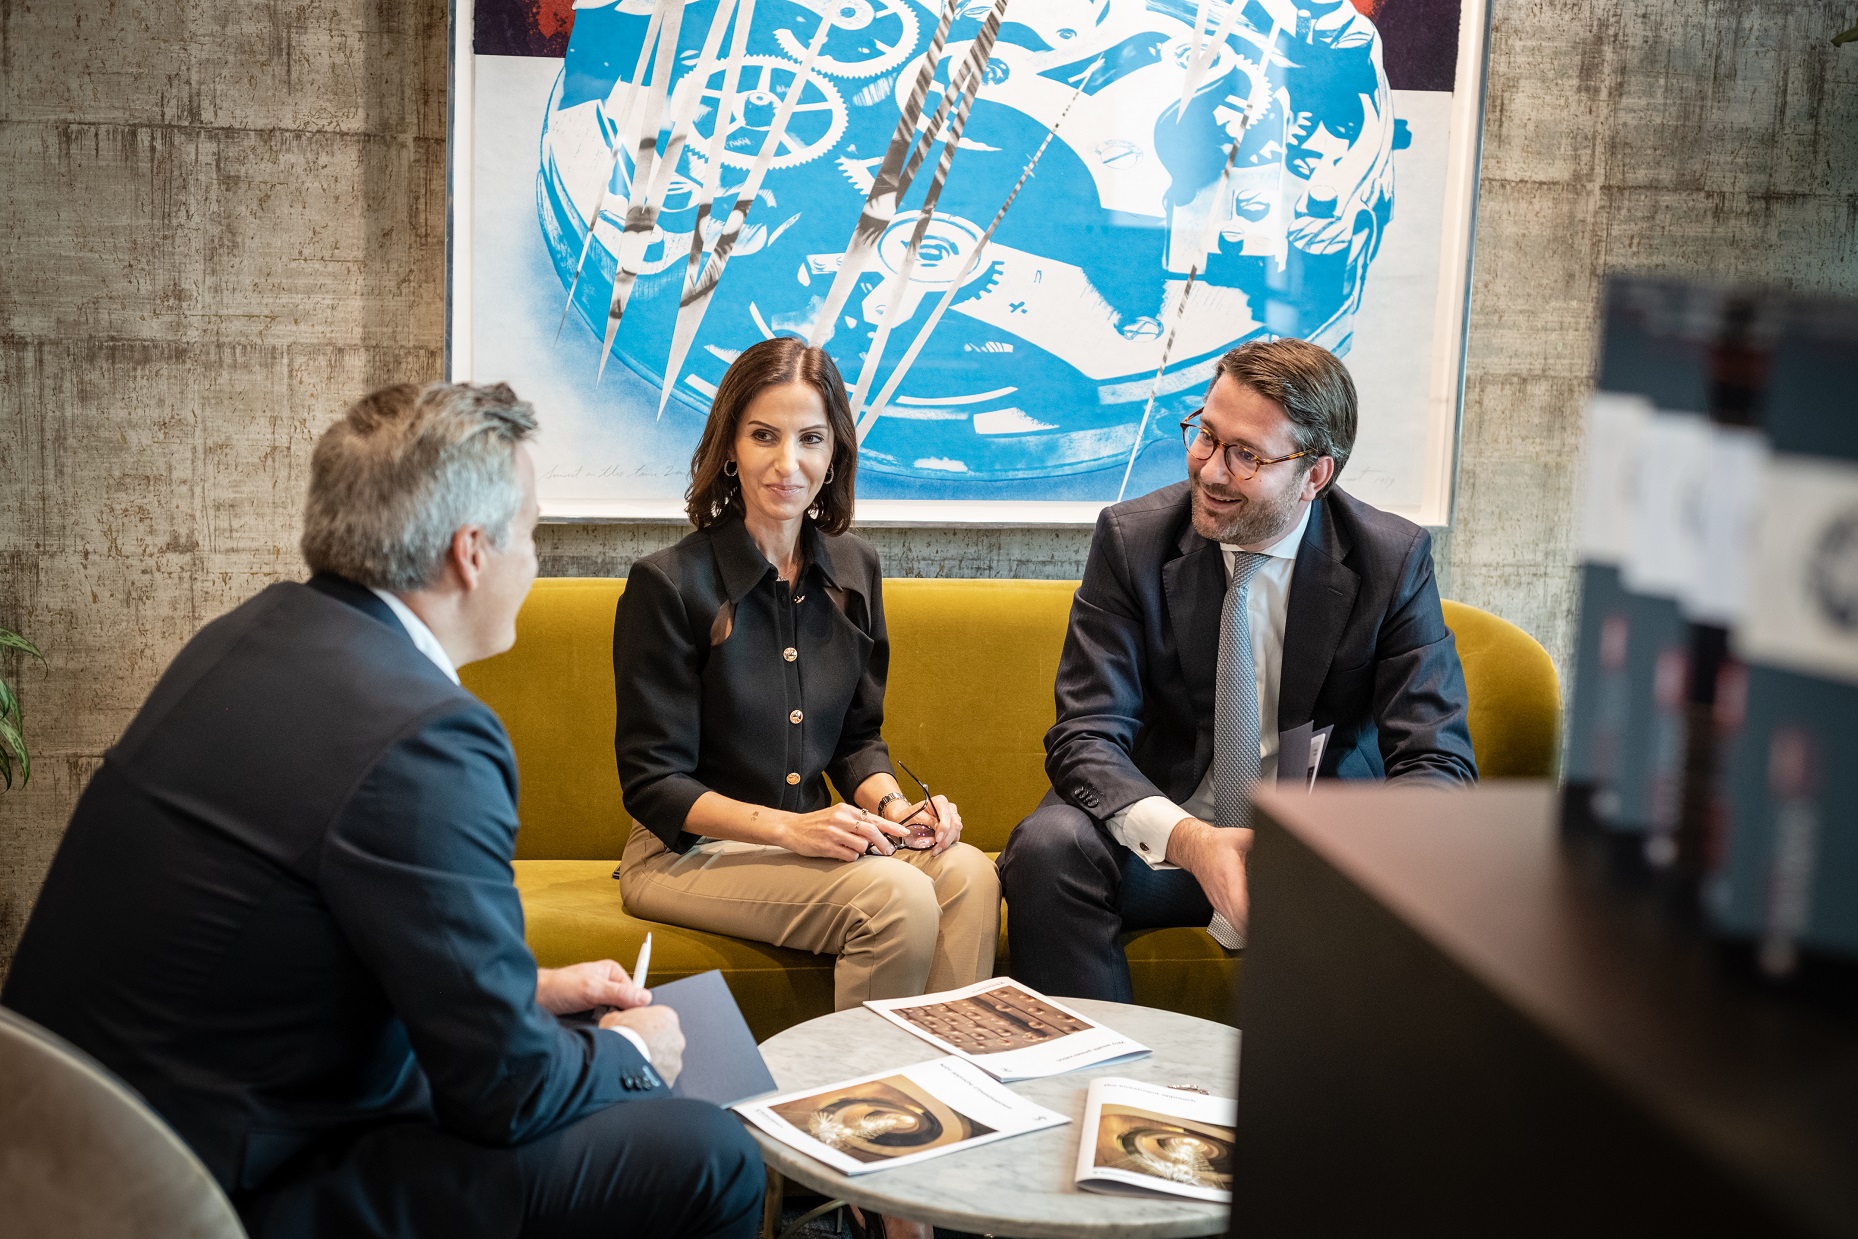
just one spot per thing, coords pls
(1144, 828)
(636, 1040)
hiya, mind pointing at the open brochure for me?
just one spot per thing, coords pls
(899, 1116)
(1012, 1032)
(1140, 1138)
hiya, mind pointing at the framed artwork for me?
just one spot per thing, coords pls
(1025, 229)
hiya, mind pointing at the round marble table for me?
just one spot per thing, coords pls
(1021, 1186)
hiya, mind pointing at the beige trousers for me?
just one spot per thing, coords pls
(901, 925)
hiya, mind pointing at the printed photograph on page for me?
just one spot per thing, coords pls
(1164, 1148)
(880, 1119)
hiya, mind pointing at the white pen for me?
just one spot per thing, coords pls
(645, 961)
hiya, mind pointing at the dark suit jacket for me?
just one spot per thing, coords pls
(283, 909)
(708, 699)
(1365, 650)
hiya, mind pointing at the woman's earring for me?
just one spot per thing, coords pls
(728, 468)
(830, 469)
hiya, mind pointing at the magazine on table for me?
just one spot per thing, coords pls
(900, 1116)
(1010, 1031)
(1140, 1138)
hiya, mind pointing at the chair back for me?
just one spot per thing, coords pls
(82, 1155)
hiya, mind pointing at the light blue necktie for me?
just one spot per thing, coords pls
(1235, 718)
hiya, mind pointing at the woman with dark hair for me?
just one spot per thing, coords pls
(749, 662)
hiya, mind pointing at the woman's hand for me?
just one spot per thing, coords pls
(842, 832)
(948, 828)
(946, 821)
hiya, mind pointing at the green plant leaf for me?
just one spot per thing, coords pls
(11, 739)
(1840, 40)
(12, 719)
(13, 641)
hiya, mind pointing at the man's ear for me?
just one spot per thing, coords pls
(1318, 477)
(467, 554)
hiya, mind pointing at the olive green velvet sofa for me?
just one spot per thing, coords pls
(969, 701)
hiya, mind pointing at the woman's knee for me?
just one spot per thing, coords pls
(898, 887)
(642, 896)
(630, 894)
(899, 903)
(965, 870)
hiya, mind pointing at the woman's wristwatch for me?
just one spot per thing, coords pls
(882, 804)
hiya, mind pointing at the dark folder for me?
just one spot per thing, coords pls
(721, 1061)
(1300, 752)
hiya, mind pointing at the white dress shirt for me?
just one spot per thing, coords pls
(1144, 827)
(423, 639)
(427, 644)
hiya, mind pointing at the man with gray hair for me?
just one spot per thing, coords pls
(284, 912)
(1250, 623)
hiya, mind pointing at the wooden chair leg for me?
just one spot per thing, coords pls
(771, 1204)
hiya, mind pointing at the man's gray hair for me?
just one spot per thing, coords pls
(403, 470)
(1313, 386)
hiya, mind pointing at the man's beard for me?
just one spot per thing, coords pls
(1255, 520)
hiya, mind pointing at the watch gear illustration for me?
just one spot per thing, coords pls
(867, 39)
(1140, 246)
(814, 129)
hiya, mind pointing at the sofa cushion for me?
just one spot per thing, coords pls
(1183, 970)
(968, 704)
(1514, 710)
(554, 693)
(573, 913)
(970, 696)
(1179, 969)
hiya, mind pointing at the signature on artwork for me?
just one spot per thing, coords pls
(616, 469)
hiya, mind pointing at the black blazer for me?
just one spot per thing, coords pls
(1365, 650)
(726, 681)
(284, 910)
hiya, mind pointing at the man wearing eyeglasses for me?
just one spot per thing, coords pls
(1216, 619)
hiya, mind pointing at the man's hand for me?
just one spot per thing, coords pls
(585, 987)
(664, 1040)
(1217, 858)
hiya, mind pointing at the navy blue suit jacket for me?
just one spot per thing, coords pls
(1366, 651)
(284, 907)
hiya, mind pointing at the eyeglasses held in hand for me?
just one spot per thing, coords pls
(922, 835)
(1241, 462)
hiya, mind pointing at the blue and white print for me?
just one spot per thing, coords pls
(1142, 246)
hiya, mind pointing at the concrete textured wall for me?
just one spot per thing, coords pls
(219, 220)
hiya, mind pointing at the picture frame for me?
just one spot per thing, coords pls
(1320, 181)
